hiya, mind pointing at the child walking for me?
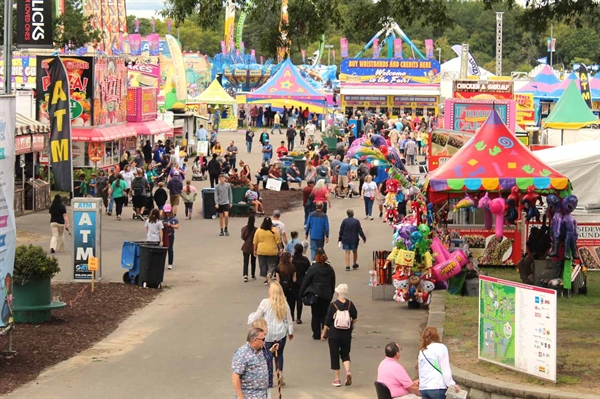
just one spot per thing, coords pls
(160, 196)
(188, 195)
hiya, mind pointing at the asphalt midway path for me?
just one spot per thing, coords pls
(181, 345)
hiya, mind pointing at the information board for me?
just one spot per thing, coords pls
(517, 326)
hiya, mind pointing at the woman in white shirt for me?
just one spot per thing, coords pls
(276, 312)
(368, 194)
(435, 376)
(154, 227)
(128, 177)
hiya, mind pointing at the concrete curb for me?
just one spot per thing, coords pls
(486, 388)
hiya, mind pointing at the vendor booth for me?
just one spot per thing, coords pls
(141, 115)
(217, 100)
(394, 86)
(491, 164)
(570, 113)
(31, 140)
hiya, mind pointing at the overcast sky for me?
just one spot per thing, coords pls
(143, 8)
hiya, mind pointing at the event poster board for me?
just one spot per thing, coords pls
(87, 217)
(444, 144)
(470, 115)
(8, 229)
(525, 109)
(110, 91)
(487, 249)
(483, 89)
(80, 72)
(518, 326)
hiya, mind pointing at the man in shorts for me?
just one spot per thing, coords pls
(343, 169)
(223, 203)
(350, 231)
(175, 186)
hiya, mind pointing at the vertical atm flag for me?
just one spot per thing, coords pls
(375, 48)
(59, 110)
(584, 82)
(344, 47)
(429, 49)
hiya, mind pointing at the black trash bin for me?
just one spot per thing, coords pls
(208, 203)
(152, 265)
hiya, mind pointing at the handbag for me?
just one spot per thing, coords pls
(310, 299)
(310, 200)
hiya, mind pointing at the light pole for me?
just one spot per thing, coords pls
(329, 47)
(439, 50)
(8, 39)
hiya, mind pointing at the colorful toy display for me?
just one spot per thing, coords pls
(529, 204)
(512, 204)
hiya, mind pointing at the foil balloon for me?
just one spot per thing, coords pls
(384, 149)
(424, 229)
(484, 204)
(377, 141)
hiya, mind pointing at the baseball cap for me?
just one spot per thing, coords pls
(276, 212)
(167, 208)
(266, 140)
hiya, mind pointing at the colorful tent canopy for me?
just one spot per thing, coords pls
(560, 88)
(546, 75)
(537, 89)
(215, 94)
(570, 112)
(493, 160)
(287, 83)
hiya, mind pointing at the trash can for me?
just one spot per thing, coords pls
(130, 260)
(301, 165)
(287, 161)
(208, 203)
(152, 265)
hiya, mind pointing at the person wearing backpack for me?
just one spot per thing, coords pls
(138, 187)
(339, 323)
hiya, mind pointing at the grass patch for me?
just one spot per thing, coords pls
(578, 349)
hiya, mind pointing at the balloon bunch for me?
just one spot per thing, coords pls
(375, 148)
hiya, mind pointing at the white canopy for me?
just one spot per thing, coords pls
(580, 162)
(452, 67)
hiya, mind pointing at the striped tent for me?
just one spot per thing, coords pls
(25, 125)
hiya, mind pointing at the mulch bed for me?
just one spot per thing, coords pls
(87, 318)
(282, 200)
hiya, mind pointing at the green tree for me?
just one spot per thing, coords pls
(73, 29)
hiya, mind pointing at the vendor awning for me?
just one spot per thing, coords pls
(102, 133)
(25, 125)
(150, 128)
(391, 90)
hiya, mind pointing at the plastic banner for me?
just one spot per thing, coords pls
(333, 54)
(344, 47)
(8, 231)
(223, 49)
(375, 48)
(303, 56)
(253, 53)
(397, 48)
(153, 44)
(429, 49)
(137, 26)
(135, 44)
(168, 26)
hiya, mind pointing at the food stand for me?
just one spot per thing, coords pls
(216, 99)
(396, 86)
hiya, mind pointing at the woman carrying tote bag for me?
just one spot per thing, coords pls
(435, 375)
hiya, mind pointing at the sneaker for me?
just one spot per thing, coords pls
(109, 213)
(347, 268)
(214, 217)
(380, 215)
(52, 250)
(348, 379)
(298, 321)
(265, 283)
(226, 232)
(370, 217)
(170, 267)
(221, 233)
(336, 383)
(253, 277)
(355, 266)
(366, 217)
(245, 279)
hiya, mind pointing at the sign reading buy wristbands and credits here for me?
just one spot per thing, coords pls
(87, 214)
(517, 326)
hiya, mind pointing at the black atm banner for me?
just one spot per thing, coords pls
(60, 125)
(584, 82)
(34, 23)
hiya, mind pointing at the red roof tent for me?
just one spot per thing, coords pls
(493, 160)
(150, 128)
(102, 133)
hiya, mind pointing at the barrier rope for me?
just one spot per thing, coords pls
(79, 295)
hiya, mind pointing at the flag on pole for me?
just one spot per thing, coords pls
(543, 60)
(223, 49)
(343, 47)
(303, 56)
(429, 49)
(375, 48)
(137, 26)
(333, 53)
(397, 48)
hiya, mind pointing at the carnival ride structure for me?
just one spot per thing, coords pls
(387, 34)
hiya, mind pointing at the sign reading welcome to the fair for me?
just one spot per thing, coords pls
(376, 71)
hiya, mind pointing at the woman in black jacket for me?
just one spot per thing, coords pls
(318, 284)
(302, 265)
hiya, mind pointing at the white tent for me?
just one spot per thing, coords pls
(453, 67)
(580, 162)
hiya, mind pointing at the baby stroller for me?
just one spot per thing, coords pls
(199, 168)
